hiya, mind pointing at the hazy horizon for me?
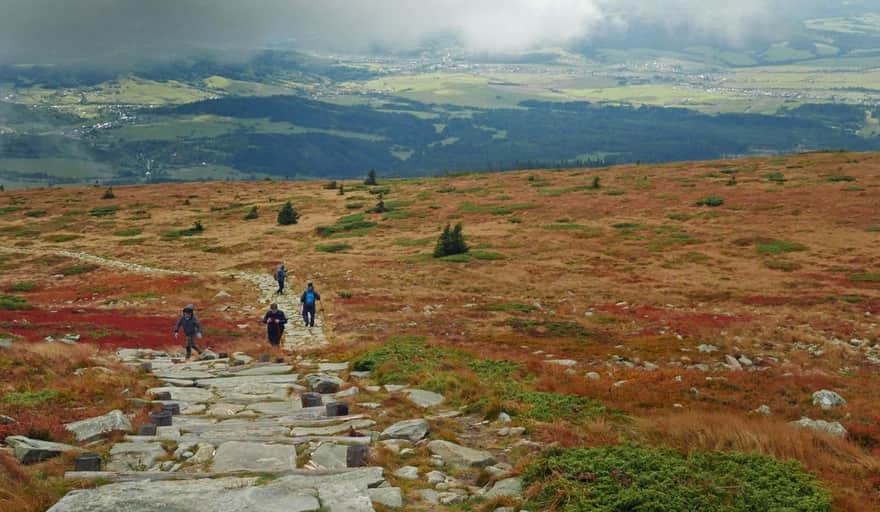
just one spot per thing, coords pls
(37, 32)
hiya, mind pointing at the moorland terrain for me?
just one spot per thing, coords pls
(618, 314)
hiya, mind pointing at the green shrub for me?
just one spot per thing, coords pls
(873, 229)
(62, 238)
(402, 358)
(252, 213)
(13, 302)
(354, 206)
(486, 255)
(413, 242)
(30, 398)
(548, 407)
(104, 211)
(871, 277)
(710, 201)
(78, 269)
(595, 185)
(630, 477)
(836, 178)
(626, 225)
(350, 225)
(128, 232)
(23, 286)
(35, 213)
(371, 178)
(330, 185)
(450, 242)
(775, 177)
(785, 266)
(769, 247)
(334, 247)
(509, 306)
(287, 215)
(108, 194)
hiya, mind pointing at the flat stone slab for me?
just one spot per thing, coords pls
(391, 497)
(134, 456)
(332, 367)
(275, 408)
(216, 495)
(224, 410)
(93, 428)
(461, 456)
(28, 451)
(508, 487)
(238, 381)
(173, 373)
(189, 395)
(424, 399)
(330, 430)
(330, 456)
(262, 457)
(413, 430)
(261, 369)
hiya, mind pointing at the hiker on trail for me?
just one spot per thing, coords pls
(309, 298)
(191, 329)
(280, 274)
(274, 320)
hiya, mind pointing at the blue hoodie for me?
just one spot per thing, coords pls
(190, 325)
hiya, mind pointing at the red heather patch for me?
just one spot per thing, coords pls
(102, 328)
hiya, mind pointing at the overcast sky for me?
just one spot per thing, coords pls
(61, 30)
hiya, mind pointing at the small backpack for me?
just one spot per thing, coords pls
(310, 298)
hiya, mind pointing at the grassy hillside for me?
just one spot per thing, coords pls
(631, 272)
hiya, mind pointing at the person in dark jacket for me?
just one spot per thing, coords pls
(191, 329)
(280, 275)
(309, 298)
(274, 320)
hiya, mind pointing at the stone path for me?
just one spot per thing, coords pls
(242, 441)
(296, 335)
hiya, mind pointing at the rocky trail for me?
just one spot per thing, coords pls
(231, 433)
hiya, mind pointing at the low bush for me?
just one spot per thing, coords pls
(711, 201)
(128, 232)
(350, 224)
(770, 247)
(252, 213)
(104, 211)
(631, 477)
(13, 302)
(287, 215)
(333, 247)
(78, 269)
(871, 277)
(23, 286)
(35, 213)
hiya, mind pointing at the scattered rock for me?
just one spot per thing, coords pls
(93, 428)
(562, 362)
(413, 430)
(508, 487)
(456, 455)
(407, 473)
(424, 399)
(28, 451)
(6, 420)
(430, 496)
(707, 349)
(391, 497)
(5, 343)
(833, 428)
(394, 388)
(593, 375)
(324, 384)
(764, 409)
(207, 355)
(745, 361)
(732, 363)
(436, 477)
(222, 293)
(827, 399)
(503, 417)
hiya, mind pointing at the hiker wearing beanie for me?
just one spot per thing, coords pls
(274, 320)
(191, 329)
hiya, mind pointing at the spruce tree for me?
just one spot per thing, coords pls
(341, 189)
(371, 178)
(451, 241)
(287, 215)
